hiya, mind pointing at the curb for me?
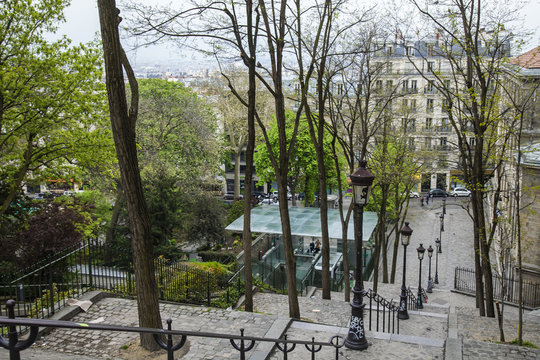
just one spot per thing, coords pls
(263, 350)
(68, 312)
(453, 349)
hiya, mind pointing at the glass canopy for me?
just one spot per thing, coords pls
(304, 222)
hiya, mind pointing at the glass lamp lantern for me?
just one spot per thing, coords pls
(421, 252)
(361, 181)
(406, 233)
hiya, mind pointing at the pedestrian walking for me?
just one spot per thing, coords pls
(422, 200)
(427, 199)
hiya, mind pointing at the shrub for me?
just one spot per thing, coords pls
(222, 257)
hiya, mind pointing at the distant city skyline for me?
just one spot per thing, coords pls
(82, 25)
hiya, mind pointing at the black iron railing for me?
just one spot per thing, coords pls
(412, 298)
(44, 289)
(241, 343)
(465, 280)
(385, 313)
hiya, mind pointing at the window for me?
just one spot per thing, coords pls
(413, 85)
(430, 66)
(340, 89)
(430, 87)
(427, 143)
(413, 105)
(409, 50)
(405, 85)
(389, 84)
(445, 105)
(443, 143)
(472, 141)
(405, 104)
(447, 85)
(408, 125)
(445, 125)
(378, 84)
(429, 105)
(429, 123)
(389, 68)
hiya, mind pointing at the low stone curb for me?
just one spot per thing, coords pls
(263, 350)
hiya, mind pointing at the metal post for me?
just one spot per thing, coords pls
(440, 232)
(402, 313)
(356, 338)
(437, 244)
(419, 300)
(430, 283)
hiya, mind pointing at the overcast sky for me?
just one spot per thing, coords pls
(82, 25)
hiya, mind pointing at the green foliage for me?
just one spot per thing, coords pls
(303, 169)
(235, 211)
(213, 267)
(53, 114)
(176, 133)
(219, 256)
(524, 343)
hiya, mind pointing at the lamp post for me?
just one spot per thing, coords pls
(361, 181)
(441, 218)
(430, 282)
(437, 245)
(444, 206)
(421, 252)
(406, 233)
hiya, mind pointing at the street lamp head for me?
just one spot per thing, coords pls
(361, 181)
(406, 233)
(437, 242)
(441, 217)
(430, 251)
(421, 252)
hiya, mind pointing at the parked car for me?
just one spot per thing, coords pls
(274, 195)
(437, 193)
(230, 196)
(460, 191)
(269, 201)
(413, 194)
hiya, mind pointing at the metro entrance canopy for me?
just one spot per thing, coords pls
(304, 222)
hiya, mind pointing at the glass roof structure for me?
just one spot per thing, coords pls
(304, 222)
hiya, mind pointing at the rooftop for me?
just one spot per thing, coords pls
(304, 222)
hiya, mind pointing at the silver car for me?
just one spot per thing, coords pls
(460, 191)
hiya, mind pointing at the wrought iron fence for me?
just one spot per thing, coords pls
(385, 313)
(241, 343)
(43, 290)
(465, 280)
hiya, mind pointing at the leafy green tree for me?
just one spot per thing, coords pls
(176, 131)
(303, 170)
(52, 103)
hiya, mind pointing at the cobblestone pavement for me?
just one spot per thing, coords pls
(103, 344)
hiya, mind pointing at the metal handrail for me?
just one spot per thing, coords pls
(15, 346)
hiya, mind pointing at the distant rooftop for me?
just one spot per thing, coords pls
(304, 222)
(528, 60)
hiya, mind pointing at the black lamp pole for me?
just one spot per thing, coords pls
(430, 281)
(361, 181)
(441, 218)
(421, 252)
(437, 245)
(406, 232)
(444, 206)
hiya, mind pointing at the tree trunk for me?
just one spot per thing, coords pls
(237, 156)
(123, 127)
(394, 255)
(246, 235)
